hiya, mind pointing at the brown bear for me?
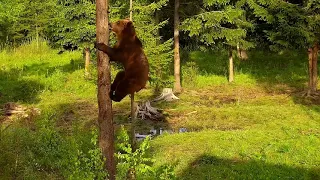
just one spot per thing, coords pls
(128, 51)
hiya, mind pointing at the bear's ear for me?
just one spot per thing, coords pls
(129, 23)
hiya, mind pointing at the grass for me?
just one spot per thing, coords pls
(255, 128)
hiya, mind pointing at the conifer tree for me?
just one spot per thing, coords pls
(220, 21)
(74, 26)
(22, 19)
(292, 25)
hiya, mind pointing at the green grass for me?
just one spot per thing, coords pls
(258, 127)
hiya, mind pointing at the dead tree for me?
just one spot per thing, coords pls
(106, 129)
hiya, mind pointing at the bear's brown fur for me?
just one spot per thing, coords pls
(128, 51)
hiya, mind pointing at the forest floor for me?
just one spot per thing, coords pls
(258, 127)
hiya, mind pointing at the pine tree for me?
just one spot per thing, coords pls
(292, 25)
(222, 21)
(9, 12)
(23, 19)
(74, 26)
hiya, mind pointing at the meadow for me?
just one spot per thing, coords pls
(258, 127)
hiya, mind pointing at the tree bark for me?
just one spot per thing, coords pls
(231, 71)
(177, 83)
(242, 54)
(133, 123)
(313, 68)
(133, 117)
(106, 129)
(87, 62)
(157, 21)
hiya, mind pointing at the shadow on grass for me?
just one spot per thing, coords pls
(268, 68)
(47, 70)
(13, 88)
(271, 69)
(16, 84)
(211, 167)
(285, 73)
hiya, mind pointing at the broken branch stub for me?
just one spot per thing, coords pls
(145, 111)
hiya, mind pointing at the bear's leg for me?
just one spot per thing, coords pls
(125, 87)
(119, 77)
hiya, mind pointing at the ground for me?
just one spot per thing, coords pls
(258, 127)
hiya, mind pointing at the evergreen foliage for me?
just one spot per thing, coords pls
(288, 24)
(219, 21)
(74, 26)
(21, 20)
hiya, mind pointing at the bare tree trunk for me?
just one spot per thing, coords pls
(133, 117)
(131, 10)
(133, 123)
(310, 59)
(87, 63)
(313, 68)
(231, 71)
(177, 83)
(106, 129)
(157, 21)
(242, 54)
(37, 36)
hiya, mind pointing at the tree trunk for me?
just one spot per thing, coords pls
(37, 36)
(131, 10)
(133, 117)
(106, 129)
(87, 62)
(313, 68)
(133, 123)
(177, 83)
(157, 21)
(231, 71)
(242, 54)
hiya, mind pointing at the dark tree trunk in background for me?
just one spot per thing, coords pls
(87, 62)
(177, 83)
(231, 71)
(313, 68)
(106, 129)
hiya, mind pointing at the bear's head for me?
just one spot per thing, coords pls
(123, 28)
